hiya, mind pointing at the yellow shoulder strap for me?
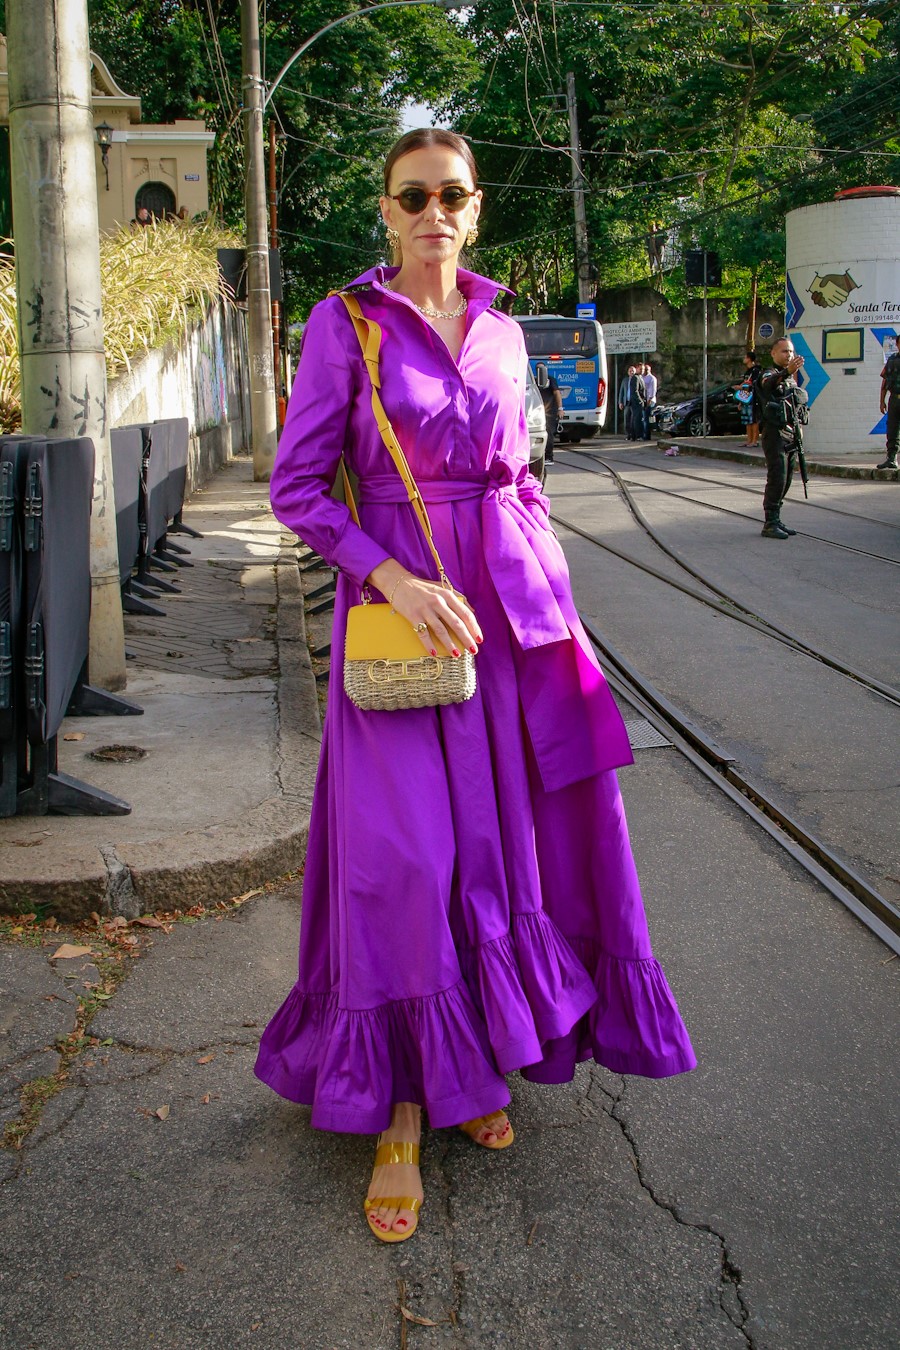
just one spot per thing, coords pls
(368, 333)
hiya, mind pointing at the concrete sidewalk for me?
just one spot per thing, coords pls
(230, 734)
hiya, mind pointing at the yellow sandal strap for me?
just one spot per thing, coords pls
(397, 1151)
(392, 1202)
(471, 1127)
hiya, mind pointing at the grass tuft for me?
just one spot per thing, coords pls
(155, 281)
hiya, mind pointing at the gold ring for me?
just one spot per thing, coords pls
(421, 627)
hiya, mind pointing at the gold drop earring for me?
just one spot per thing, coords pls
(472, 236)
(393, 237)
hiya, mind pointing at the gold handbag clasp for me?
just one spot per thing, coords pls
(392, 672)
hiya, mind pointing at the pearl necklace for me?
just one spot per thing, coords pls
(430, 312)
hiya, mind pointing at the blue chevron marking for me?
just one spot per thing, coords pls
(793, 305)
(813, 377)
(879, 334)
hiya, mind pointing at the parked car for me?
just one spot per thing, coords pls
(537, 426)
(723, 414)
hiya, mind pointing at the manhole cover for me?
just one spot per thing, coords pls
(118, 754)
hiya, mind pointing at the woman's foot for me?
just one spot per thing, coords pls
(396, 1181)
(493, 1131)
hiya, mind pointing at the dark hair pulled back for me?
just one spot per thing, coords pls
(422, 139)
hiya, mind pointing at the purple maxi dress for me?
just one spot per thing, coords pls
(470, 902)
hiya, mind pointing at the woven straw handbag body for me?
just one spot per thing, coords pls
(385, 666)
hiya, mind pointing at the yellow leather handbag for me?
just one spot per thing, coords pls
(385, 667)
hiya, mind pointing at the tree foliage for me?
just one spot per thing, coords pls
(707, 119)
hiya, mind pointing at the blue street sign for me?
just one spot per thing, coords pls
(586, 310)
(766, 330)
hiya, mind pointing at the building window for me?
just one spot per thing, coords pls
(157, 198)
(842, 344)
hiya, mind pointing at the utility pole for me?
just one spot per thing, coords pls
(273, 244)
(263, 425)
(582, 256)
(57, 237)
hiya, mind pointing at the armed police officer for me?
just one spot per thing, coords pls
(890, 404)
(783, 412)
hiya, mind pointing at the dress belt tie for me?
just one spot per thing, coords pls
(575, 727)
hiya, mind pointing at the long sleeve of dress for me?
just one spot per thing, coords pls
(528, 488)
(311, 445)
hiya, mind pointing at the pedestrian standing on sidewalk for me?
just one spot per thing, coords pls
(470, 904)
(637, 399)
(750, 409)
(551, 397)
(651, 388)
(624, 405)
(890, 403)
(777, 390)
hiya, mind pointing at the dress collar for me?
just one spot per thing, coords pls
(470, 284)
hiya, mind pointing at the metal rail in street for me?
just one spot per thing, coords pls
(740, 487)
(841, 880)
(725, 604)
(625, 483)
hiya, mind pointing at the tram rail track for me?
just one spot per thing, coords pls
(737, 487)
(719, 600)
(727, 510)
(842, 881)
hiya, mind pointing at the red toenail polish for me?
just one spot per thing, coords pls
(401, 1223)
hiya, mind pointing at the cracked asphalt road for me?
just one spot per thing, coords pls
(751, 1203)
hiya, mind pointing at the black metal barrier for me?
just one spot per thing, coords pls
(46, 488)
(150, 464)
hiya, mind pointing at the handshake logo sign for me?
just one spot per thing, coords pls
(832, 290)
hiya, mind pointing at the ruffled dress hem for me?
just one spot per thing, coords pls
(527, 1001)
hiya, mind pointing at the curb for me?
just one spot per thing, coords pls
(819, 467)
(205, 865)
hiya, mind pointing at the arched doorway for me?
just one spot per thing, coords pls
(157, 198)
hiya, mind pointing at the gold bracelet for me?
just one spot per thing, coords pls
(405, 577)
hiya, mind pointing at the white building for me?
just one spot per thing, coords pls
(842, 312)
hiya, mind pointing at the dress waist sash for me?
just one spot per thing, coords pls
(575, 728)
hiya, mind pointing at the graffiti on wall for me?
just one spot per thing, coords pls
(210, 387)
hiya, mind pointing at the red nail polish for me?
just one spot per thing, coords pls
(401, 1223)
(455, 652)
(479, 640)
(433, 652)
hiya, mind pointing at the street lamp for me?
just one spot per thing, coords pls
(355, 14)
(104, 134)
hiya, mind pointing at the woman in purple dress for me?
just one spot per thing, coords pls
(470, 903)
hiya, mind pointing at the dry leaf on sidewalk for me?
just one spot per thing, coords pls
(205, 1059)
(162, 1112)
(69, 950)
(148, 921)
(74, 736)
(419, 1321)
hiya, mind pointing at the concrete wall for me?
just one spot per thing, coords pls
(678, 360)
(202, 377)
(843, 273)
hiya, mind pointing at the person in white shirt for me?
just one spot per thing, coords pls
(651, 385)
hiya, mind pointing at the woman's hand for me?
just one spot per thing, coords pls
(448, 619)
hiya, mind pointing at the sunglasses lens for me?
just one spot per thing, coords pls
(413, 200)
(453, 198)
